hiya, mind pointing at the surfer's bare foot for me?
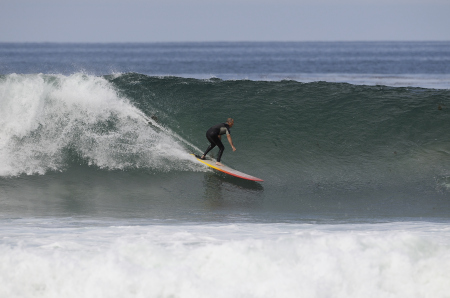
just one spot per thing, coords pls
(219, 164)
(203, 157)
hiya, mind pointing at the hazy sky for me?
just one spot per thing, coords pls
(225, 20)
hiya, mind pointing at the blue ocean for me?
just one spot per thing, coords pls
(101, 197)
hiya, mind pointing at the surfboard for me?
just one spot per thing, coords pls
(227, 170)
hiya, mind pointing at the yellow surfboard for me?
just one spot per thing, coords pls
(226, 170)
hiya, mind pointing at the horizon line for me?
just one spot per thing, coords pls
(221, 41)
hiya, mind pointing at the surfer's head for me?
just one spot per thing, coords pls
(230, 122)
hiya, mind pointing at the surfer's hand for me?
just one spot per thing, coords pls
(234, 148)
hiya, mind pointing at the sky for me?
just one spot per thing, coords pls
(224, 20)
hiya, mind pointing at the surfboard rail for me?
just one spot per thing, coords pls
(227, 170)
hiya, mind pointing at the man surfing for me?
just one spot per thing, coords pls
(214, 135)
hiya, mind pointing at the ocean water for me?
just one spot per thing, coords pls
(100, 197)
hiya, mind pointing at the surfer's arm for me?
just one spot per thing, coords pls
(231, 142)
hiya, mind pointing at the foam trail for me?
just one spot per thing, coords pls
(169, 132)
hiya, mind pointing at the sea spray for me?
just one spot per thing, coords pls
(48, 122)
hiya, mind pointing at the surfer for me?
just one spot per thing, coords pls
(214, 135)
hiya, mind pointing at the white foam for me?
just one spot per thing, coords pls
(43, 116)
(240, 260)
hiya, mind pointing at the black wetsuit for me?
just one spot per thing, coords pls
(213, 137)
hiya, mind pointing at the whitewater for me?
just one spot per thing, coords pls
(100, 197)
(235, 260)
(44, 116)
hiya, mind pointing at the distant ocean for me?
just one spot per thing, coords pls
(100, 197)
